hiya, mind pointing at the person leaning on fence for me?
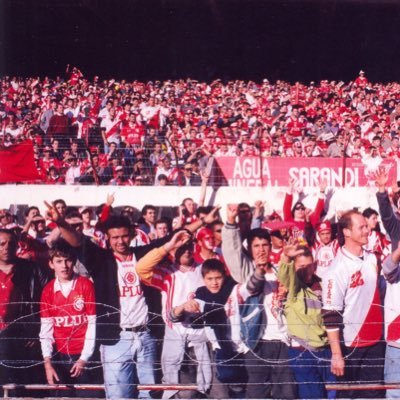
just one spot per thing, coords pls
(352, 309)
(68, 320)
(391, 272)
(267, 361)
(309, 351)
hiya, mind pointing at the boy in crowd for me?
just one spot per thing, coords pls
(68, 320)
(216, 306)
(309, 351)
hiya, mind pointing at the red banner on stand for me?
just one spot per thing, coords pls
(258, 172)
(17, 164)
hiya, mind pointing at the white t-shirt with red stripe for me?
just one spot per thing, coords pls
(134, 310)
(351, 287)
(324, 255)
(177, 285)
(391, 271)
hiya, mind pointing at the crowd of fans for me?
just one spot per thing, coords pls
(162, 133)
(258, 306)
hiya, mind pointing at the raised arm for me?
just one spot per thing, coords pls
(146, 265)
(238, 263)
(69, 234)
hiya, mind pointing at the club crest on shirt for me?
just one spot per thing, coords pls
(129, 278)
(79, 303)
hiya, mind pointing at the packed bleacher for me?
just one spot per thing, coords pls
(163, 133)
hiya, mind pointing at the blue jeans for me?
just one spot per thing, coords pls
(311, 371)
(392, 370)
(127, 363)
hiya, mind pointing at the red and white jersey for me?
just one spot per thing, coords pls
(275, 256)
(68, 315)
(351, 288)
(141, 239)
(97, 236)
(112, 128)
(324, 255)
(274, 294)
(391, 272)
(134, 310)
(177, 285)
(378, 244)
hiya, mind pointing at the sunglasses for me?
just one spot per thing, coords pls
(300, 208)
(218, 230)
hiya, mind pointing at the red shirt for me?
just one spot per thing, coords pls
(8, 311)
(69, 314)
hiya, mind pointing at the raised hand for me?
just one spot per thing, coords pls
(259, 208)
(212, 215)
(110, 199)
(52, 213)
(323, 183)
(291, 249)
(232, 211)
(178, 240)
(381, 178)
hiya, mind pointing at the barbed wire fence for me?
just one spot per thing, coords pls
(24, 324)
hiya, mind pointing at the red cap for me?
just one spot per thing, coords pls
(324, 226)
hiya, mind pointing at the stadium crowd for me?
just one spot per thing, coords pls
(258, 306)
(159, 133)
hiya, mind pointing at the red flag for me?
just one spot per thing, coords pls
(17, 163)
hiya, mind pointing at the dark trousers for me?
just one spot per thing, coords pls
(364, 365)
(269, 372)
(63, 363)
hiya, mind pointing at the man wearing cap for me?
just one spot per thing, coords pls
(324, 246)
(119, 179)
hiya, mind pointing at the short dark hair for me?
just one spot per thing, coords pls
(9, 232)
(62, 249)
(29, 209)
(213, 264)
(59, 201)
(117, 221)
(368, 212)
(163, 221)
(146, 208)
(259, 233)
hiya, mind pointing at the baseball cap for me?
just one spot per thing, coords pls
(324, 226)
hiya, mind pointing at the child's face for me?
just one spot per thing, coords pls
(305, 268)
(63, 268)
(213, 281)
